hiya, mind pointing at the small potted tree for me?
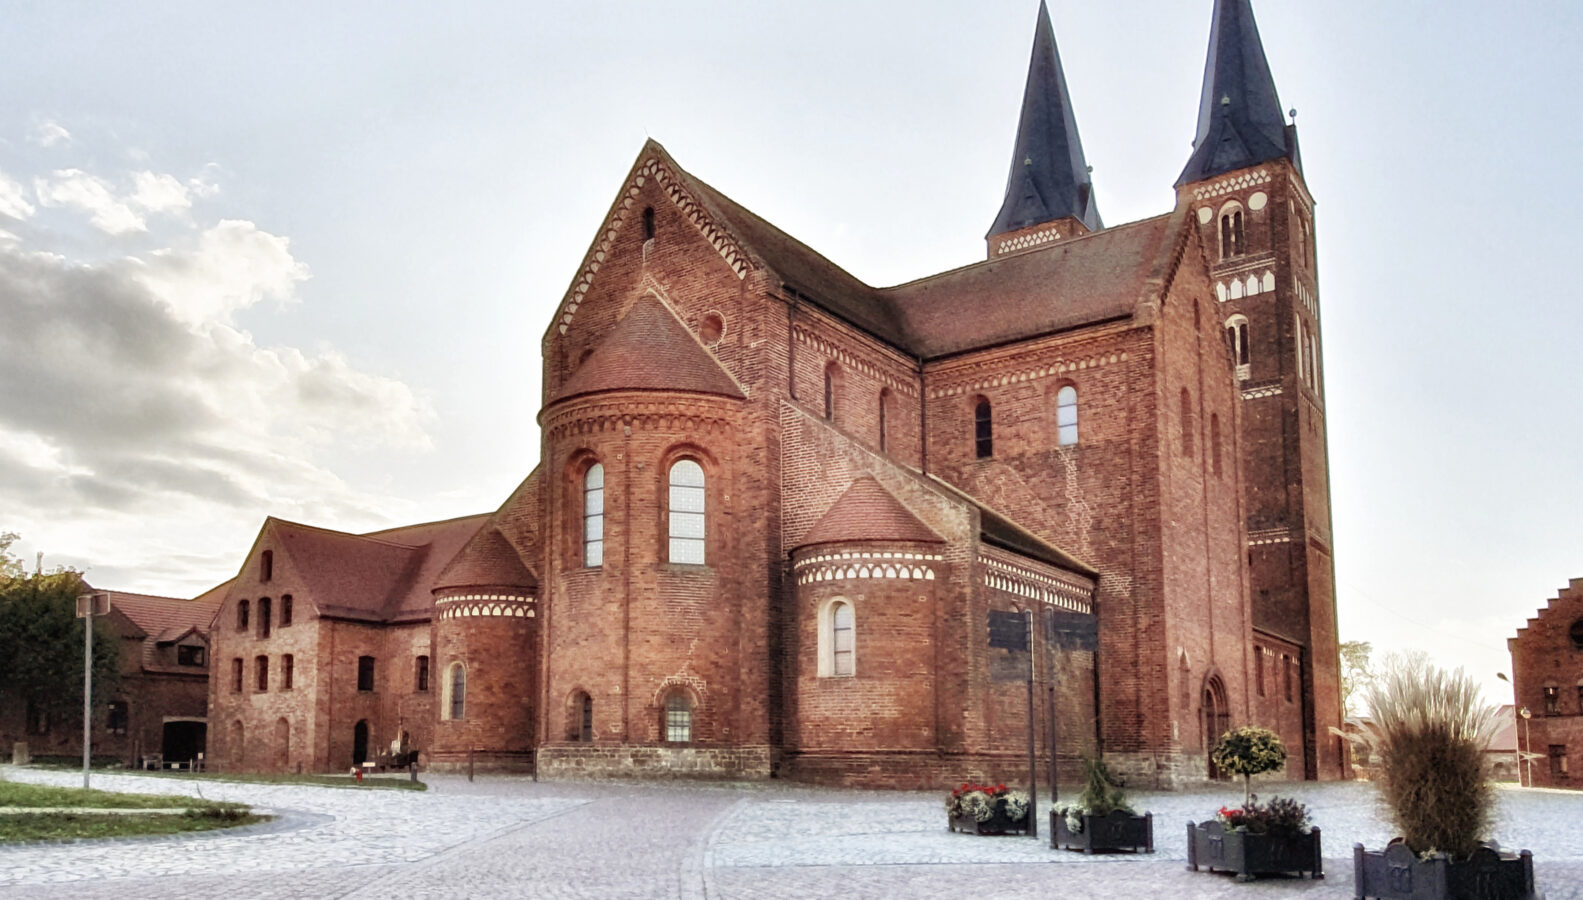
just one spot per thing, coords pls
(1100, 821)
(1256, 838)
(1427, 734)
(987, 809)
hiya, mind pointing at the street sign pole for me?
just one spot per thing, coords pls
(87, 606)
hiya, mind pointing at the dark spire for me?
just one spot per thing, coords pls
(1049, 177)
(1240, 123)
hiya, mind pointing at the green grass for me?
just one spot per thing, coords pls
(202, 815)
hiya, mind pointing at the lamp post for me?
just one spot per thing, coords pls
(88, 606)
(1517, 755)
(1528, 741)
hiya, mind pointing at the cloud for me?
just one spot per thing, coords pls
(76, 189)
(13, 199)
(49, 133)
(159, 193)
(230, 267)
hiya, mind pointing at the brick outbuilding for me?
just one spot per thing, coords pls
(1547, 677)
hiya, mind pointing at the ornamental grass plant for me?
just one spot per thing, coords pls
(1428, 734)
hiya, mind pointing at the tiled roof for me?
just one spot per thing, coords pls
(487, 561)
(649, 349)
(164, 620)
(999, 530)
(1240, 121)
(868, 512)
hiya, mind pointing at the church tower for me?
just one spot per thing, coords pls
(1244, 187)
(1049, 195)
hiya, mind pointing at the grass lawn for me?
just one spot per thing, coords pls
(203, 815)
(392, 782)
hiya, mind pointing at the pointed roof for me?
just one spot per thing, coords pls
(487, 561)
(164, 620)
(1049, 177)
(1240, 122)
(650, 350)
(868, 512)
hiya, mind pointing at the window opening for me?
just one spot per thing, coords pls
(1287, 664)
(266, 567)
(242, 610)
(648, 223)
(365, 673)
(678, 719)
(264, 616)
(687, 513)
(983, 430)
(116, 721)
(422, 677)
(288, 666)
(189, 655)
(594, 516)
(1066, 416)
(842, 639)
(1258, 669)
(1231, 234)
(1552, 700)
(884, 408)
(1558, 760)
(261, 673)
(457, 687)
(830, 375)
(285, 610)
(236, 675)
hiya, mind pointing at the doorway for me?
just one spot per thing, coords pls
(182, 741)
(1217, 721)
(360, 742)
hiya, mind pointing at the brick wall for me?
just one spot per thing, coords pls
(1545, 655)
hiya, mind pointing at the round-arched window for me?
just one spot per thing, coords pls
(1577, 634)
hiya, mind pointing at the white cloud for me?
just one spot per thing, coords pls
(77, 189)
(230, 267)
(159, 193)
(13, 199)
(49, 133)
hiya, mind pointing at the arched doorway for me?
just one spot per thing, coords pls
(1217, 721)
(360, 742)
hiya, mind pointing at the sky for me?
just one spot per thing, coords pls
(295, 259)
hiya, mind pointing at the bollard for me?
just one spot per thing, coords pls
(469, 763)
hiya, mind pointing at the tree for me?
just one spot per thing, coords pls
(41, 639)
(1356, 673)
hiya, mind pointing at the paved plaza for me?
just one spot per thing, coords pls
(506, 837)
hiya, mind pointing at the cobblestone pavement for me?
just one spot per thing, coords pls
(501, 837)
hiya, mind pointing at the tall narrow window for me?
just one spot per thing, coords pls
(580, 725)
(455, 705)
(236, 675)
(1258, 669)
(285, 610)
(266, 566)
(242, 610)
(832, 378)
(1552, 700)
(265, 616)
(1231, 235)
(843, 642)
(1286, 677)
(261, 673)
(421, 676)
(365, 673)
(983, 430)
(594, 516)
(687, 513)
(1187, 423)
(1237, 339)
(648, 222)
(1214, 441)
(884, 411)
(1558, 760)
(1066, 416)
(119, 714)
(288, 666)
(678, 718)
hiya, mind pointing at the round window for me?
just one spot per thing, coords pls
(711, 328)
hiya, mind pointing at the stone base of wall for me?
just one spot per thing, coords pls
(653, 761)
(922, 769)
(1159, 771)
(512, 761)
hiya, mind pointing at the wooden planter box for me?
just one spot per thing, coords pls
(1117, 831)
(997, 824)
(1218, 849)
(1396, 873)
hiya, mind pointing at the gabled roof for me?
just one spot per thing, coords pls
(1240, 122)
(1049, 177)
(649, 350)
(164, 620)
(868, 512)
(487, 561)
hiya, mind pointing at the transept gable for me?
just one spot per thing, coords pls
(650, 349)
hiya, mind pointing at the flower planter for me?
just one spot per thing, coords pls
(1219, 849)
(999, 823)
(1396, 873)
(1117, 831)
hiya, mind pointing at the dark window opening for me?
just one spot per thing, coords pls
(1286, 677)
(1552, 700)
(831, 374)
(116, 721)
(1558, 760)
(423, 674)
(242, 610)
(236, 675)
(261, 673)
(884, 404)
(1231, 235)
(288, 665)
(266, 566)
(648, 223)
(37, 718)
(1576, 634)
(1258, 669)
(1242, 343)
(983, 431)
(187, 655)
(285, 610)
(365, 673)
(264, 616)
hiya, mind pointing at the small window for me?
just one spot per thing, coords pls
(242, 610)
(1186, 416)
(1287, 664)
(678, 718)
(288, 667)
(1237, 340)
(1558, 760)
(266, 566)
(585, 731)
(1576, 633)
(236, 675)
(1552, 700)
(1066, 416)
(648, 223)
(843, 643)
(1258, 669)
(1580, 696)
(365, 673)
(285, 611)
(1232, 238)
(421, 677)
(832, 377)
(455, 704)
(687, 500)
(37, 718)
(983, 430)
(261, 673)
(580, 717)
(884, 410)
(265, 615)
(115, 722)
(594, 516)
(1214, 441)
(189, 655)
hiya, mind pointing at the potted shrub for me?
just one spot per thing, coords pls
(1255, 838)
(1100, 821)
(1427, 735)
(987, 809)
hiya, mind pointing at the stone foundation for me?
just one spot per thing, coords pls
(500, 761)
(653, 761)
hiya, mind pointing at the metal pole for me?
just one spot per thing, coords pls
(1055, 772)
(87, 691)
(1033, 762)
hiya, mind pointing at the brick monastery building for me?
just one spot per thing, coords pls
(1547, 676)
(775, 506)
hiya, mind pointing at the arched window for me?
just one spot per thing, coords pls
(265, 616)
(242, 610)
(884, 411)
(1232, 239)
(843, 641)
(1187, 423)
(236, 675)
(594, 516)
(832, 382)
(1214, 441)
(266, 566)
(1576, 633)
(454, 704)
(365, 673)
(678, 718)
(983, 430)
(1066, 416)
(687, 513)
(648, 223)
(421, 675)
(261, 672)
(1237, 339)
(580, 717)
(285, 610)
(288, 664)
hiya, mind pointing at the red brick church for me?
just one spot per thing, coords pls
(776, 507)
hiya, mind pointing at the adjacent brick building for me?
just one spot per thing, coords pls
(776, 508)
(1547, 677)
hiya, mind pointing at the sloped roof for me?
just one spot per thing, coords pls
(487, 561)
(1240, 121)
(999, 530)
(1049, 177)
(650, 349)
(1082, 281)
(164, 619)
(868, 512)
